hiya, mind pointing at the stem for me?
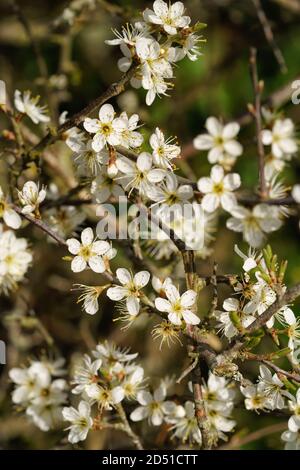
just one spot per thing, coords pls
(41, 225)
(236, 442)
(127, 428)
(257, 86)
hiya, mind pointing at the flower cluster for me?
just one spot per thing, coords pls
(39, 391)
(155, 44)
(15, 259)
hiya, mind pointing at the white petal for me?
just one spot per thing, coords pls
(141, 279)
(78, 264)
(139, 414)
(175, 318)
(214, 127)
(87, 236)
(233, 148)
(144, 161)
(205, 185)
(210, 202)
(133, 305)
(190, 318)
(12, 219)
(162, 305)
(266, 137)
(124, 276)
(73, 246)
(230, 130)
(232, 181)
(91, 125)
(100, 247)
(203, 142)
(217, 174)
(231, 305)
(172, 293)
(116, 293)
(188, 298)
(106, 113)
(97, 264)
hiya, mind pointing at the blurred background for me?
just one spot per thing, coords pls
(80, 67)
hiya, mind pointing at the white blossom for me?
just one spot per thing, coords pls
(255, 223)
(220, 140)
(31, 197)
(291, 439)
(178, 307)
(107, 129)
(153, 407)
(218, 189)
(163, 150)
(81, 421)
(231, 307)
(171, 17)
(15, 259)
(273, 388)
(85, 374)
(130, 289)
(28, 105)
(89, 252)
(9, 215)
(139, 175)
(106, 185)
(281, 138)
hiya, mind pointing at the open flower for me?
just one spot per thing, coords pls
(170, 193)
(254, 223)
(273, 388)
(130, 289)
(163, 150)
(10, 217)
(28, 105)
(89, 252)
(31, 197)
(105, 185)
(81, 421)
(154, 407)
(220, 140)
(130, 138)
(280, 138)
(169, 17)
(232, 309)
(178, 307)
(218, 189)
(107, 129)
(139, 175)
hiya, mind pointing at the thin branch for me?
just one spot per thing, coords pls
(236, 442)
(290, 375)
(41, 225)
(269, 35)
(113, 90)
(257, 87)
(287, 298)
(127, 428)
